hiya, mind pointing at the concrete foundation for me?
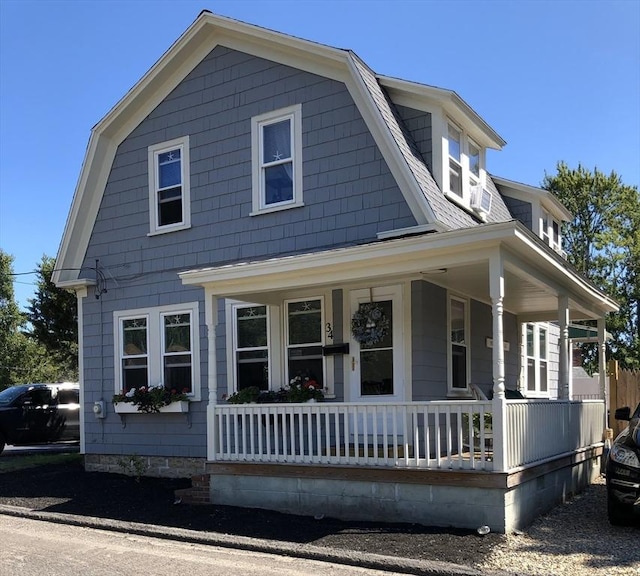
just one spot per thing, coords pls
(504, 502)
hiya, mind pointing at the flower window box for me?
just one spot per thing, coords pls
(181, 406)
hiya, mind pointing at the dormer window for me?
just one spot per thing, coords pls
(550, 231)
(474, 164)
(466, 172)
(455, 162)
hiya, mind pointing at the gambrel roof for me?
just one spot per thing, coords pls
(375, 96)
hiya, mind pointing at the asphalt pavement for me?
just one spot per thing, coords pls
(288, 549)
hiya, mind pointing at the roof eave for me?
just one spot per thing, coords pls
(449, 100)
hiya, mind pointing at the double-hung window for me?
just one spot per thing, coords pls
(304, 340)
(277, 159)
(465, 171)
(536, 338)
(458, 315)
(158, 346)
(169, 186)
(251, 346)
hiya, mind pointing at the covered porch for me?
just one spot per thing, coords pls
(483, 454)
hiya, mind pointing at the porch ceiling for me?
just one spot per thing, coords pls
(534, 276)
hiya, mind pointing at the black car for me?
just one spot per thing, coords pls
(39, 413)
(623, 471)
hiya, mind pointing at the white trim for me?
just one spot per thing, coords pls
(426, 98)
(155, 338)
(464, 198)
(537, 357)
(403, 256)
(533, 195)
(231, 308)
(285, 336)
(294, 114)
(154, 151)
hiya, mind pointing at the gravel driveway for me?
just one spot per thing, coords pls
(573, 539)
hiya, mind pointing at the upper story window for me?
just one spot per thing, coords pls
(157, 345)
(550, 230)
(465, 174)
(455, 161)
(277, 159)
(169, 189)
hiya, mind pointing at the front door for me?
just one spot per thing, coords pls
(377, 367)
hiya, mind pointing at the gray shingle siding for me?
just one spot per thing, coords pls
(429, 343)
(418, 124)
(520, 210)
(349, 196)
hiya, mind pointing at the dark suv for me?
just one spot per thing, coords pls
(623, 471)
(38, 413)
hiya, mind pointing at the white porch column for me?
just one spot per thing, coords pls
(211, 318)
(602, 368)
(496, 290)
(564, 386)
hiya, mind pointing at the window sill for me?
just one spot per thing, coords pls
(130, 408)
(168, 229)
(277, 208)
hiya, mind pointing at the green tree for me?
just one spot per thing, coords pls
(22, 359)
(53, 316)
(603, 243)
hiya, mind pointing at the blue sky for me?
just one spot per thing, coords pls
(558, 80)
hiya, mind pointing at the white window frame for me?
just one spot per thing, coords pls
(467, 177)
(539, 358)
(294, 114)
(153, 153)
(458, 391)
(547, 232)
(288, 345)
(277, 340)
(232, 306)
(155, 343)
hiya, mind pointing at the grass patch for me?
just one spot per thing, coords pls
(13, 463)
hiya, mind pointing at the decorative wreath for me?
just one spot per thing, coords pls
(369, 324)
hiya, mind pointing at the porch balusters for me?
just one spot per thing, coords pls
(453, 435)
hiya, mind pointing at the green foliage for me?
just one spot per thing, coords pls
(134, 465)
(21, 359)
(603, 243)
(150, 399)
(299, 390)
(53, 317)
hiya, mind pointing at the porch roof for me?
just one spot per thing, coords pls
(534, 275)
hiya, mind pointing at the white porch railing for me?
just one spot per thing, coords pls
(428, 435)
(438, 435)
(541, 429)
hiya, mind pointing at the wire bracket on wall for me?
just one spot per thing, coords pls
(101, 281)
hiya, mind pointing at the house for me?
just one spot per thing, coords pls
(259, 207)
